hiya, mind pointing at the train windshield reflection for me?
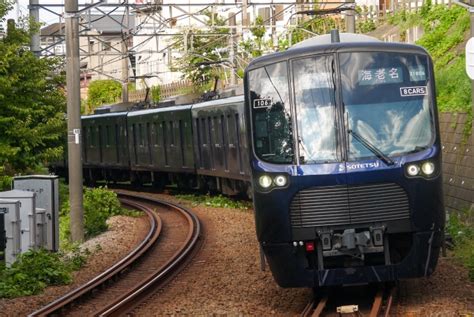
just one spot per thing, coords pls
(315, 108)
(387, 102)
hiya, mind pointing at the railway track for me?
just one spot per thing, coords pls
(150, 265)
(371, 301)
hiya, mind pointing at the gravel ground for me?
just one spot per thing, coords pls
(114, 245)
(224, 277)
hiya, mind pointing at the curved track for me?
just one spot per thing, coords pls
(152, 263)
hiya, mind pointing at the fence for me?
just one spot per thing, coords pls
(167, 90)
(378, 13)
(458, 162)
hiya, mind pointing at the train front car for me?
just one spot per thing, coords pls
(346, 161)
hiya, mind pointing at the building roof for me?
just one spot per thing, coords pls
(111, 24)
(53, 29)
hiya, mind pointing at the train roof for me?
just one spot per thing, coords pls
(105, 115)
(326, 39)
(217, 102)
(322, 44)
(158, 110)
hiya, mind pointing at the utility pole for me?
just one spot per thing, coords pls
(125, 57)
(233, 79)
(74, 120)
(35, 37)
(350, 19)
(245, 22)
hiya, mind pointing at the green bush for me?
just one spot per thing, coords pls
(32, 272)
(102, 92)
(462, 233)
(216, 201)
(99, 205)
(156, 94)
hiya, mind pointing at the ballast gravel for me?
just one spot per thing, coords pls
(124, 234)
(224, 278)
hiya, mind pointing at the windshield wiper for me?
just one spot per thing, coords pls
(372, 148)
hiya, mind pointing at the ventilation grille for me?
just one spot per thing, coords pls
(342, 205)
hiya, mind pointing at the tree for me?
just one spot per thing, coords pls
(32, 103)
(202, 54)
(102, 92)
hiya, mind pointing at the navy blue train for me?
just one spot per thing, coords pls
(337, 143)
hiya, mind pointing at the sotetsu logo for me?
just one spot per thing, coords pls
(357, 166)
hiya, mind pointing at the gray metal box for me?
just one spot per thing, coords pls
(41, 228)
(46, 188)
(11, 210)
(27, 216)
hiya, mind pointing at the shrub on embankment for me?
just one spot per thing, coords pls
(446, 30)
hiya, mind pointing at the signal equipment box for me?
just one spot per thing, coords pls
(27, 216)
(10, 212)
(46, 188)
(41, 228)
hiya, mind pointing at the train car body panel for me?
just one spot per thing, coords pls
(105, 141)
(341, 136)
(220, 138)
(161, 140)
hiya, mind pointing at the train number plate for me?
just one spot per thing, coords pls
(262, 103)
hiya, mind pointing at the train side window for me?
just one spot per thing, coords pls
(155, 135)
(117, 142)
(199, 142)
(165, 141)
(237, 138)
(230, 130)
(216, 129)
(181, 141)
(203, 131)
(224, 140)
(91, 133)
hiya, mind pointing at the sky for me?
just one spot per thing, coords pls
(21, 8)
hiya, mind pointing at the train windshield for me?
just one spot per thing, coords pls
(315, 98)
(271, 114)
(386, 97)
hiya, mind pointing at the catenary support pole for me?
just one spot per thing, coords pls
(74, 137)
(350, 19)
(35, 37)
(124, 50)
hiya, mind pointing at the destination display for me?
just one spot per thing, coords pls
(380, 76)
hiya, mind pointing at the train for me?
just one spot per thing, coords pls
(335, 139)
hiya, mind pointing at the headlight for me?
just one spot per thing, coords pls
(280, 180)
(413, 170)
(265, 181)
(428, 168)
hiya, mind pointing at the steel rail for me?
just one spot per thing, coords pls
(150, 239)
(128, 301)
(384, 294)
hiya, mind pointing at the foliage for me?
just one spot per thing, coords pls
(215, 201)
(365, 26)
(156, 94)
(445, 29)
(205, 55)
(99, 205)
(32, 119)
(103, 92)
(34, 270)
(453, 87)
(460, 228)
(5, 180)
